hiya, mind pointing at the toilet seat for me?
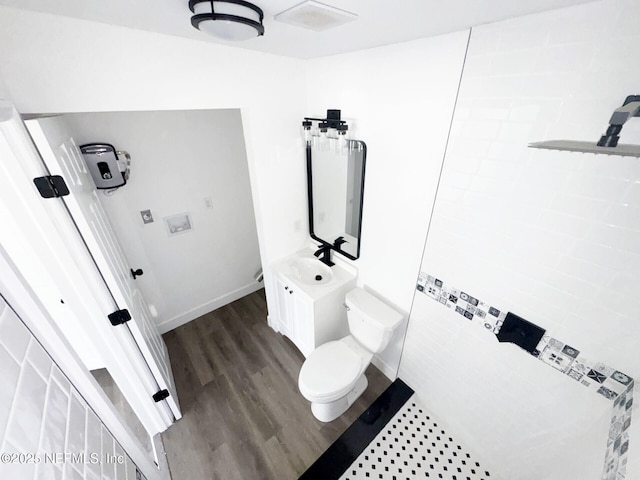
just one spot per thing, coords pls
(330, 372)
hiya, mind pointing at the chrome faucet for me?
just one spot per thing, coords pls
(325, 251)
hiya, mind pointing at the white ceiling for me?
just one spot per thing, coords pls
(380, 22)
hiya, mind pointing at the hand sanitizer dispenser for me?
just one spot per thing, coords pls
(108, 167)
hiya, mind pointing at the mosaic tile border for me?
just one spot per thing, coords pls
(596, 376)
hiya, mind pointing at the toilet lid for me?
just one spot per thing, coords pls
(329, 372)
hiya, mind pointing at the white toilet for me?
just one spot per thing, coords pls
(332, 377)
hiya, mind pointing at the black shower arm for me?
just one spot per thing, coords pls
(625, 112)
(630, 108)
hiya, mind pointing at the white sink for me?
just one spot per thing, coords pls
(311, 271)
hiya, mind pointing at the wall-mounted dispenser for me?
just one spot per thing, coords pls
(108, 167)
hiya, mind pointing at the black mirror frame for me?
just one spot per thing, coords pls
(310, 203)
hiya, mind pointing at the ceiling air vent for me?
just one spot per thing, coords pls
(315, 16)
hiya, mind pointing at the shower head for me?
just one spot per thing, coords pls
(588, 147)
(608, 143)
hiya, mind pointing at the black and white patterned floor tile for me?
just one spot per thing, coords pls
(414, 446)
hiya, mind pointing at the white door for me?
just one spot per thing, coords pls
(63, 157)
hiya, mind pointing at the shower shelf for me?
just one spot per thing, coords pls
(588, 147)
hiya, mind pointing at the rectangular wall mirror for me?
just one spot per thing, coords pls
(335, 182)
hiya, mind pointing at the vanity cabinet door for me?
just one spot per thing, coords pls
(284, 314)
(302, 313)
(295, 315)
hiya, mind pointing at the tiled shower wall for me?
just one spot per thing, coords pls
(41, 413)
(551, 236)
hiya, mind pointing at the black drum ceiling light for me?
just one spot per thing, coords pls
(227, 19)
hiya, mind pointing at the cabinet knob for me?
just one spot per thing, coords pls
(286, 288)
(290, 292)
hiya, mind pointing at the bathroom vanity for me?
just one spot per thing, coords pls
(310, 300)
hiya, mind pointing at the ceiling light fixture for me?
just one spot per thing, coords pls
(227, 19)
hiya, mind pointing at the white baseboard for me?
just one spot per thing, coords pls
(385, 368)
(214, 304)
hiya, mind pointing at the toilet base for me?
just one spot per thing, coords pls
(327, 412)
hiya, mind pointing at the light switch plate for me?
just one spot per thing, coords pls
(146, 216)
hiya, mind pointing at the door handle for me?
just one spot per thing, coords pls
(136, 273)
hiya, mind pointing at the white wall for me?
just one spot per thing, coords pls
(179, 158)
(50, 64)
(553, 237)
(399, 100)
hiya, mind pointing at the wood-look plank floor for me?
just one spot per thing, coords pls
(244, 417)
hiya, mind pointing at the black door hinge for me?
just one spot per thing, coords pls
(51, 186)
(119, 317)
(161, 395)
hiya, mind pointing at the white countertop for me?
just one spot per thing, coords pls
(341, 275)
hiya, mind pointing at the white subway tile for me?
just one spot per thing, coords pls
(40, 412)
(580, 30)
(16, 470)
(13, 335)
(23, 430)
(577, 227)
(516, 132)
(480, 129)
(624, 168)
(615, 237)
(108, 448)
(505, 150)
(94, 442)
(58, 376)
(624, 19)
(55, 420)
(575, 205)
(601, 254)
(591, 269)
(520, 37)
(48, 471)
(121, 469)
(502, 170)
(468, 166)
(9, 374)
(604, 188)
(515, 62)
(486, 185)
(131, 469)
(632, 194)
(70, 472)
(39, 359)
(490, 111)
(76, 420)
(563, 58)
(626, 283)
(469, 149)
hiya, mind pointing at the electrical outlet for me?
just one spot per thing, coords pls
(208, 201)
(297, 226)
(146, 216)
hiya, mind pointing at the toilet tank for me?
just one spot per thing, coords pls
(371, 321)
